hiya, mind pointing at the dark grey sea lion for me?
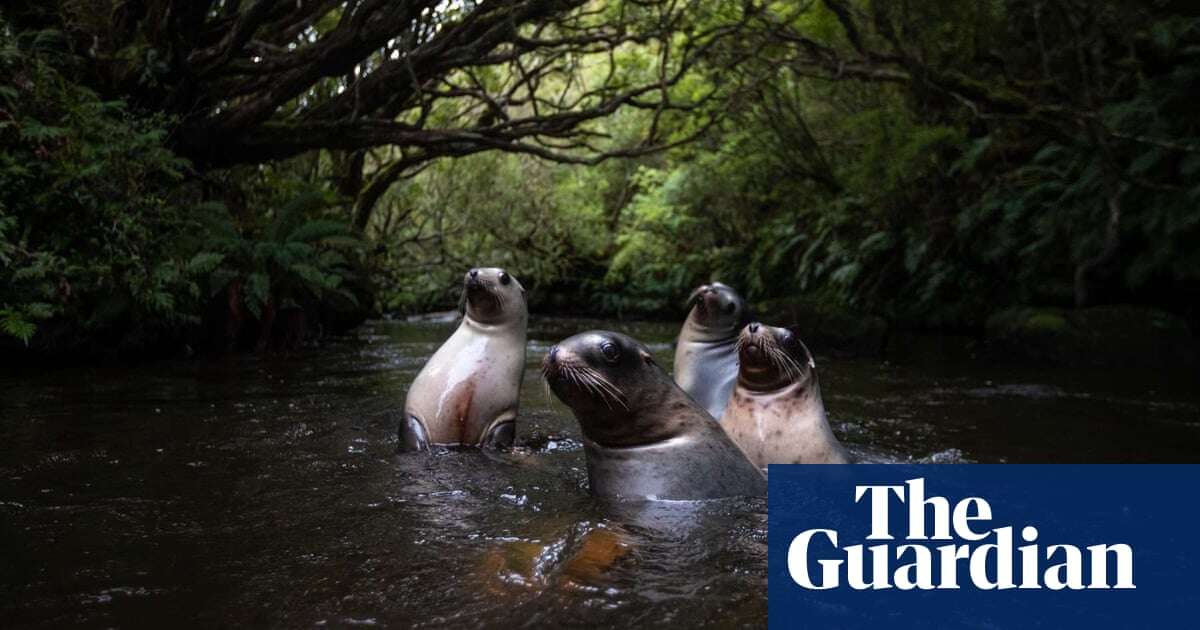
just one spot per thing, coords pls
(644, 438)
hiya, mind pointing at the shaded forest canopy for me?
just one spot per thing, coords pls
(247, 173)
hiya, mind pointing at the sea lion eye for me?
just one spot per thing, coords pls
(504, 279)
(610, 351)
(729, 307)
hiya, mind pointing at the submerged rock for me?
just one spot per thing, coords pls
(1095, 336)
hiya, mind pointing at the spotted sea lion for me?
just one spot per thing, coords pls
(776, 414)
(706, 353)
(644, 438)
(468, 391)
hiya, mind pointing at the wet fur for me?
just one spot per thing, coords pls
(644, 438)
(705, 352)
(785, 424)
(469, 390)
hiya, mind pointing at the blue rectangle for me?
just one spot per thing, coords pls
(1152, 508)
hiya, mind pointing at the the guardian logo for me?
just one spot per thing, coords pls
(987, 557)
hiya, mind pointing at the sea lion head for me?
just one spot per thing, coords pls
(492, 296)
(610, 381)
(771, 358)
(717, 311)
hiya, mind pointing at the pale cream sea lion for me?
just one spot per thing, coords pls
(468, 391)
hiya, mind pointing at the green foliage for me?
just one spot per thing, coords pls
(887, 197)
(542, 222)
(104, 239)
(947, 159)
(86, 233)
(653, 223)
(928, 224)
(294, 258)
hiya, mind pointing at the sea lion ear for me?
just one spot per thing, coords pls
(647, 358)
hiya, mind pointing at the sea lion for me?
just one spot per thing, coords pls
(706, 353)
(468, 391)
(776, 415)
(644, 438)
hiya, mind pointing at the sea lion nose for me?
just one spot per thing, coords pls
(474, 273)
(753, 327)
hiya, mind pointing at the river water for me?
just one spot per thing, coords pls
(269, 491)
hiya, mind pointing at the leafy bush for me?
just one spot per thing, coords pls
(105, 238)
(295, 259)
(87, 234)
(545, 223)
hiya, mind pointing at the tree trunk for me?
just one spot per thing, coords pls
(266, 327)
(370, 194)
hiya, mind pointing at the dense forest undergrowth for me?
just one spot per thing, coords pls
(221, 175)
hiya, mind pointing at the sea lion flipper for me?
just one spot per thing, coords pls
(501, 434)
(413, 436)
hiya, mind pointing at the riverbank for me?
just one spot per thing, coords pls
(1100, 336)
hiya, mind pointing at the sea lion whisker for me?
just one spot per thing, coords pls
(775, 356)
(587, 383)
(591, 381)
(578, 376)
(595, 386)
(789, 366)
(795, 364)
(601, 394)
(782, 361)
(617, 395)
(608, 386)
(594, 375)
(769, 350)
(547, 373)
(794, 369)
(569, 372)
